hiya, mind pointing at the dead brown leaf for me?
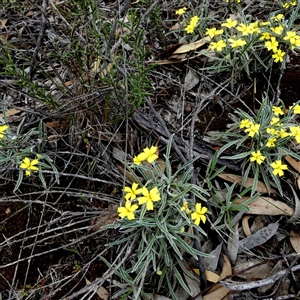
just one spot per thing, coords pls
(245, 225)
(210, 275)
(258, 238)
(259, 272)
(3, 23)
(10, 112)
(107, 217)
(101, 291)
(295, 240)
(267, 206)
(226, 271)
(218, 294)
(295, 164)
(261, 187)
(192, 46)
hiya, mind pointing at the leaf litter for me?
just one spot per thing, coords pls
(239, 243)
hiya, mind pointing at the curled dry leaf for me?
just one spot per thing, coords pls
(245, 225)
(261, 187)
(267, 206)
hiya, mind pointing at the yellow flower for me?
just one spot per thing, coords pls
(296, 43)
(245, 29)
(254, 26)
(2, 131)
(289, 4)
(29, 165)
(185, 207)
(257, 156)
(140, 158)
(278, 56)
(278, 168)
(272, 44)
(274, 121)
(132, 192)
(190, 28)
(278, 17)
(194, 20)
(149, 197)
(127, 211)
(281, 133)
(278, 29)
(295, 132)
(180, 11)
(246, 123)
(272, 131)
(237, 43)
(271, 142)
(296, 109)
(217, 45)
(150, 154)
(253, 129)
(265, 36)
(277, 110)
(213, 32)
(229, 23)
(198, 215)
(290, 36)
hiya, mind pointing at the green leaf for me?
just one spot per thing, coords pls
(141, 259)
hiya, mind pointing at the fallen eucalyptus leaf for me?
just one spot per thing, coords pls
(218, 294)
(253, 269)
(232, 245)
(267, 206)
(211, 262)
(258, 238)
(191, 80)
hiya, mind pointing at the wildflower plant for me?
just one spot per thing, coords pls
(18, 153)
(262, 141)
(156, 210)
(247, 43)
